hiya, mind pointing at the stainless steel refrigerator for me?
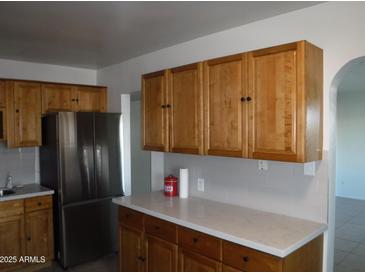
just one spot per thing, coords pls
(81, 160)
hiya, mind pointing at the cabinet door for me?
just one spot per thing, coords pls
(185, 107)
(39, 233)
(27, 116)
(91, 99)
(161, 255)
(273, 82)
(154, 112)
(11, 239)
(225, 106)
(2, 94)
(131, 257)
(57, 98)
(193, 262)
(227, 268)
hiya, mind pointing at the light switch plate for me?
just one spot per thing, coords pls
(310, 169)
(263, 165)
(201, 184)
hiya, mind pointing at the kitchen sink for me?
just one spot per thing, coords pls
(5, 192)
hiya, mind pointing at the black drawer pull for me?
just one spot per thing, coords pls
(39, 203)
(248, 99)
(157, 227)
(195, 240)
(245, 259)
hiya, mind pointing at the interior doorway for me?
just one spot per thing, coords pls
(349, 245)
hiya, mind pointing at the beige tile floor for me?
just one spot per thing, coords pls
(350, 235)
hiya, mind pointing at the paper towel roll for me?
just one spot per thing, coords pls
(184, 183)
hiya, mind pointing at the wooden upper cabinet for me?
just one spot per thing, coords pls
(92, 99)
(2, 111)
(24, 114)
(154, 112)
(225, 89)
(185, 107)
(56, 97)
(265, 104)
(285, 83)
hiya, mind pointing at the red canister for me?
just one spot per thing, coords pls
(170, 188)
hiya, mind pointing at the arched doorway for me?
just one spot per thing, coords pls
(343, 244)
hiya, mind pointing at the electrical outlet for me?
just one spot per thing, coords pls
(263, 165)
(310, 169)
(200, 184)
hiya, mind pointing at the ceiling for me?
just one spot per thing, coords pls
(354, 79)
(98, 34)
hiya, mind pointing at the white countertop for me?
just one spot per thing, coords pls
(28, 191)
(275, 234)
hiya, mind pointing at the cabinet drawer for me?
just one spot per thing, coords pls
(131, 217)
(247, 259)
(201, 243)
(160, 228)
(38, 203)
(11, 208)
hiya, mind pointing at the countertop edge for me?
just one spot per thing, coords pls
(27, 195)
(225, 236)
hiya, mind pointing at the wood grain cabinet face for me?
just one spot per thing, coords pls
(273, 88)
(58, 98)
(90, 99)
(2, 111)
(161, 255)
(185, 107)
(285, 83)
(155, 127)
(193, 262)
(39, 233)
(225, 112)
(11, 238)
(2, 94)
(27, 115)
(131, 257)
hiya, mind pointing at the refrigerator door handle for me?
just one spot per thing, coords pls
(85, 163)
(98, 165)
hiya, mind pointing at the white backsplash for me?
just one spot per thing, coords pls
(22, 163)
(282, 189)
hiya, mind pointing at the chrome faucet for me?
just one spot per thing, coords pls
(9, 182)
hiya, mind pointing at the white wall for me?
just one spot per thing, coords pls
(336, 27)
(350, 144)
(23, 164)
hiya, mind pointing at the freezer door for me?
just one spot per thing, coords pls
(76, 147)
(108, 169)
(90, 231)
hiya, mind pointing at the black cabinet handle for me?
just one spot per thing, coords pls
(157, 227)
(168, 105)
(141, 258)
(17, 111)
(248, 99)
(39, 203)
(195, 240)
(245, 259)
(29, 238)
(243, 99)
(163, 106)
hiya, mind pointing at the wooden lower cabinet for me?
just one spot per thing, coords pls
(161, 255)
(11, 241)
(151, 244)
(131, 250)
(26, 235)
(192, 262)
(39, 233)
